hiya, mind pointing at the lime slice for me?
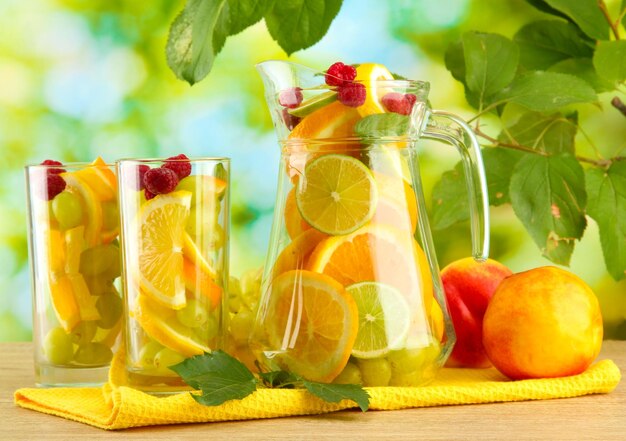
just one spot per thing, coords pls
(337, 194)
(384, 319)
(312, 104)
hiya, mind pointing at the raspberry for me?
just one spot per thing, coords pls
(178, 164)
(148, 194)
(53, 171)
(339, 74)
(290, 98)
(55, 184)
(398, 103)
(352, 94)
(160, 180)
(290, 120)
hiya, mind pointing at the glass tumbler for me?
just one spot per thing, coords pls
(75, 267)
(175, 221)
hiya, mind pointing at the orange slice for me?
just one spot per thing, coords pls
(377, 253)
(74, 246)
(86, 302)
(64, 303)
(293, 220)
(161, 324)
(334, 121)
(55, 244)
(313, 323)
(296, 254)
(161, 229)
(199, 282)
(192, 252)
(100, 178)
(91, 207)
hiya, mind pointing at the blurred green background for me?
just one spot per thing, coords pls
(82, 78)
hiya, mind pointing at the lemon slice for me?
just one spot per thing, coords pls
(337, 194)
(91, 206)
(384, 319)
(162, 325)
(100, 179)
(161, 230)
(369, 74)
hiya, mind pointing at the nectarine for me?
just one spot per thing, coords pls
(542, 323)
(468, 286)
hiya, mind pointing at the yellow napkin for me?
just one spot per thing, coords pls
(118, 407)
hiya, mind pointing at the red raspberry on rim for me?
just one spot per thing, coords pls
(178, 164)
(51, 186)
(160, 180)
(290, 98)
(398, 103)
(339, 74)
(148, 195)
(136, 182)
(352, 94)
(54, 171)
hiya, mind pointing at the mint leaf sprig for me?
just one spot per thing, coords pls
(222, 378)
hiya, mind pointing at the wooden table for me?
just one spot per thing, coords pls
(595, 417)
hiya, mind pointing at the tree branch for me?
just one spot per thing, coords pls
(619, 105)
(614, 25)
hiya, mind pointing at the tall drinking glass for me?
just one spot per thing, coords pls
(75, 266)
(175, 223)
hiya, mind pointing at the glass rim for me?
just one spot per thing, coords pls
(354, 143)
(408, 86)
(69, 165)
(160, 160)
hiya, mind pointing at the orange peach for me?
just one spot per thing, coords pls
(469, 285)
(542, 323)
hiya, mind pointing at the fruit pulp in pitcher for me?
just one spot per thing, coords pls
(349, 294)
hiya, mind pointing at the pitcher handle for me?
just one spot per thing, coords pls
(449, 128)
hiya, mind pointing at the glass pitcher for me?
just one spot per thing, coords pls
(351, 291)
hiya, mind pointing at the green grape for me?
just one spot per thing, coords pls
(409, 379)
(193, 315)
(99, 285)
(95, 261)
(110, 216)
(84, 332)
(251, 282)
(234, 303)
(406, 360)
(241, 326)
(234, 287)
(189, 183)
(93, 354)
(375, 372)
(115, 270)
(110, 308)
(57, 347)
(67, 210)
(166, 358)
(201, 220)
(209, 330)
(351, 374)
(148, 353)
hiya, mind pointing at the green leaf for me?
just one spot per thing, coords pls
(545, 133)
(278, 378)
(586, 14)
(298, 24)
(334, 393)
(547, 91)
(583, 69)
(490, 62)
(622, 9)
(548, 196)
(219, 376)
(449, 199)
(200, 30)
(382, 125)
(610, 60)
(455, 61)
(498, 165)
(607, 205)
(546, 42)
(544, 7)
(236, 16)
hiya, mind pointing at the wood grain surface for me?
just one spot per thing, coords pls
(595, 417)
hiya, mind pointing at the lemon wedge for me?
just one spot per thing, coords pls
(369, 74)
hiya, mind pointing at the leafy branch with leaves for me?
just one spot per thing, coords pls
(200, 31)
(531, 85)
